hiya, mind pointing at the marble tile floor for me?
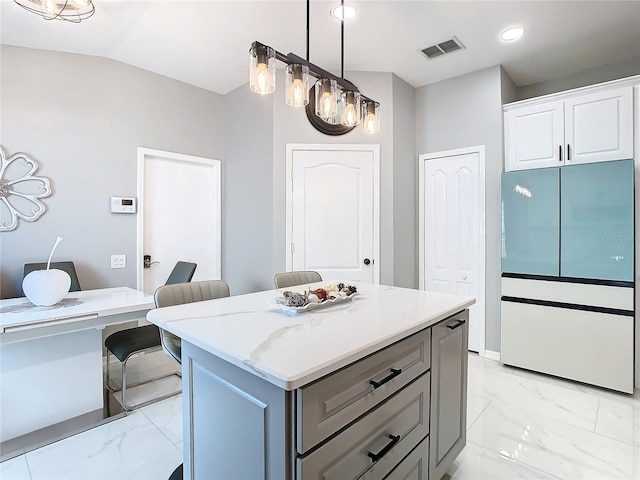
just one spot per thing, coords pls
(519, 425)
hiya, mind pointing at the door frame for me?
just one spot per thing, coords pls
(143, 154)
(480, 150)
(375, 150)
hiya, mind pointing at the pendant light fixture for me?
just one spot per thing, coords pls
(334, 105)
(73, 11)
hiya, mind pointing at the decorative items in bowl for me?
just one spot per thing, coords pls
(296, 302)
(46, 287)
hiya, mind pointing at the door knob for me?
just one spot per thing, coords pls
(367, 261)
(147, 261)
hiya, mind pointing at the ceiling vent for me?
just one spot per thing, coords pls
(448, 46)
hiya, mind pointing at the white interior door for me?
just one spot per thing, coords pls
(452, 230)
(179, 216)
(332, 211)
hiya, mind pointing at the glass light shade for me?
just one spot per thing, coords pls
(370, 117)
(326, 99)
(297, 85)
(262, 69)
(349, 108)
(70, 10)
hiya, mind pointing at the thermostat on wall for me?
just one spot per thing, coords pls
(123, 205)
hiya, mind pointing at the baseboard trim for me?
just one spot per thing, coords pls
(491, 355)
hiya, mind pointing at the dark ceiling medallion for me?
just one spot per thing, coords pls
(318, 123)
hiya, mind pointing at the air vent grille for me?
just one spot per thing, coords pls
(448, 46)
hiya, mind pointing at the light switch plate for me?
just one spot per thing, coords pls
(118, 261)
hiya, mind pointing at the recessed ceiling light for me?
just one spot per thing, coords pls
(512, 34)
(343, 13)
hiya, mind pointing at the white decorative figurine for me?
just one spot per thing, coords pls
(46, 287)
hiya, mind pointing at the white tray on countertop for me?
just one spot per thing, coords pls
(313, 306)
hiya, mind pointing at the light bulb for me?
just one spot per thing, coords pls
(48, 8)
(326, 100)
(371, 118)
(297, 81)
(262, 71)
(370, 123)
(262, 78)
(350, 108)
(81, 3)
(349, 116)
(326, 104)
(297, 93)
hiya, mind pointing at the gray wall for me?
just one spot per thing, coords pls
(508, 88)
(82, 118)
(463, 112)
(405, 185)
(86, 137)
(247, 245)
(592, 76)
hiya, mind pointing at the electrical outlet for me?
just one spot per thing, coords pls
(118, 261)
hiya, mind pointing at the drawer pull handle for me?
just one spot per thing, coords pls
(377, 456)
(453, 327)
(394, 373)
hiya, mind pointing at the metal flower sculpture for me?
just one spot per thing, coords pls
(20, 190)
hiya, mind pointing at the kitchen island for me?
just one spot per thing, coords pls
(372, 387)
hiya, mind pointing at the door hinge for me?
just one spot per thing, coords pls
(293, 248)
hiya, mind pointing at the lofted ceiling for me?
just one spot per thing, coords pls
(206, 42)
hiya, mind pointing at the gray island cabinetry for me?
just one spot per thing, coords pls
(371, 388)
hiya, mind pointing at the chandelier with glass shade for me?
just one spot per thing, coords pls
(334, 105)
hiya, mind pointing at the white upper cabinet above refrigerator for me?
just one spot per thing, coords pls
(584, 126)
(534, 136)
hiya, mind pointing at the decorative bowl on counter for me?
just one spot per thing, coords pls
(330, 294)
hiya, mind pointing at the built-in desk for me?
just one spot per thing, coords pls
(374, 387)
(51, 357)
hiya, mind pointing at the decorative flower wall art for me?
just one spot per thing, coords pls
(20, 190)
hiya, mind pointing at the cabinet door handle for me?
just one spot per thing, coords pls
(394, 373)
(377, 456)
(459, 324)
(568, 152)
(559, 153)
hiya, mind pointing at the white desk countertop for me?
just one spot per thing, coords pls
(20, 312)
(292, 350)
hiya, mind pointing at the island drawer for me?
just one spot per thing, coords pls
(373, 446)
(333, 402)
(413, 466)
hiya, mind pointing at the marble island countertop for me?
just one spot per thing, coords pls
(292, 350)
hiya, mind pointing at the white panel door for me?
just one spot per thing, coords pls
(179, 216)
(453, 232)
(334, 213)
